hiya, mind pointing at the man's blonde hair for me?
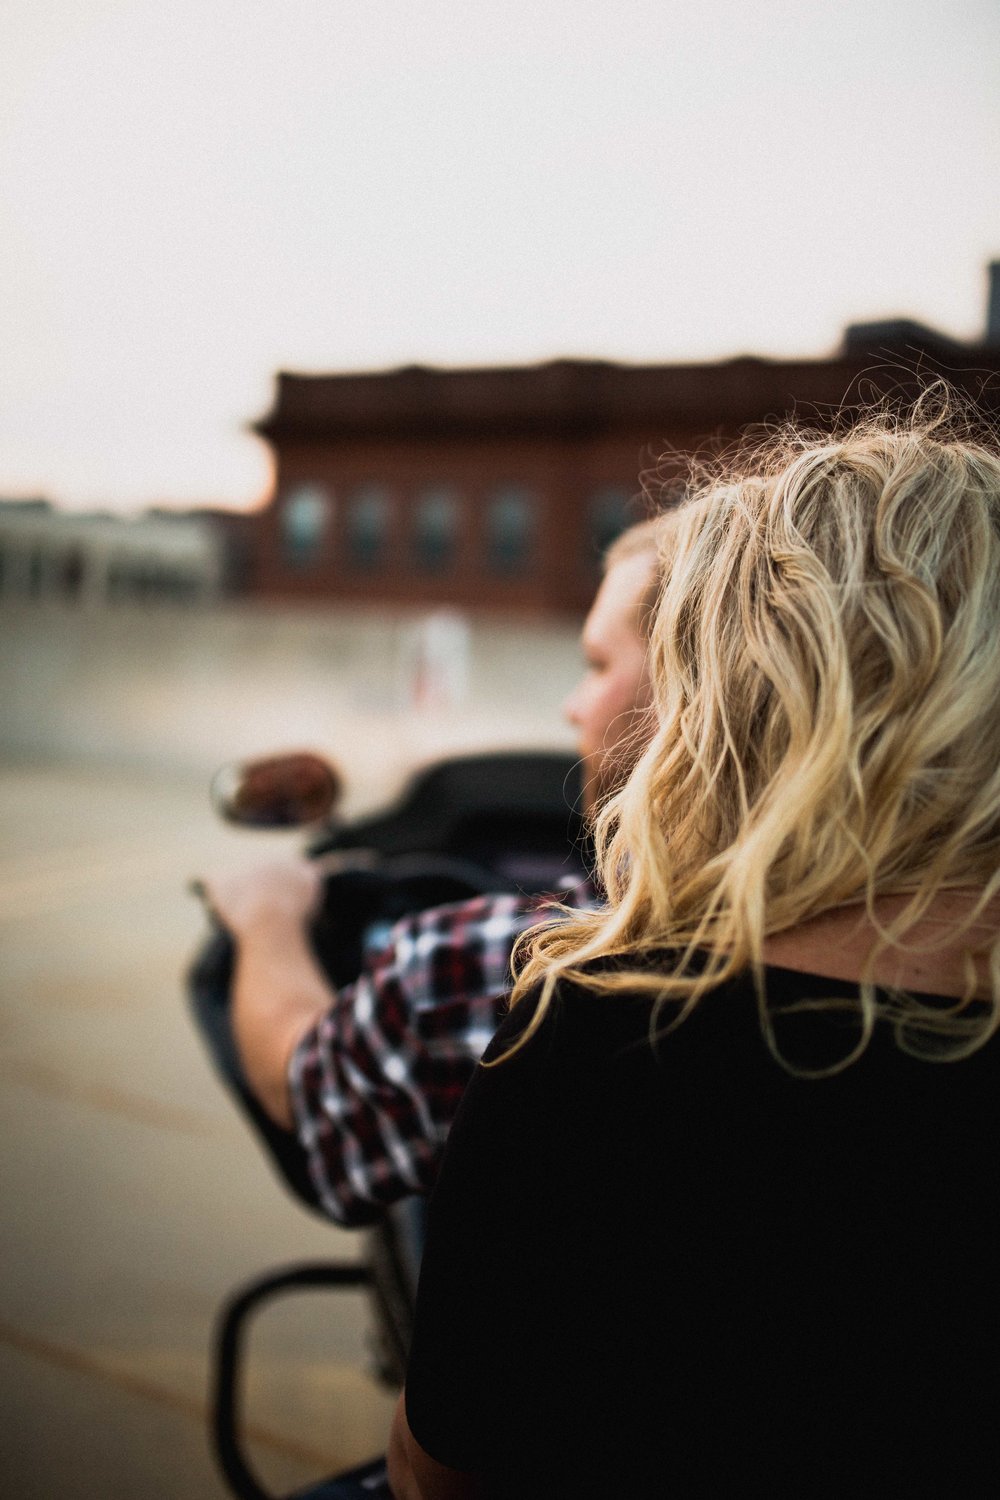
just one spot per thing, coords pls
(643, 539)
(825, 660)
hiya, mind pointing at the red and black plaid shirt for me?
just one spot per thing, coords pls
(375, 1084)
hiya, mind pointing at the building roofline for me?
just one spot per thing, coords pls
(582, 396)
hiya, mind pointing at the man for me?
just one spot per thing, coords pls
(370, 1076)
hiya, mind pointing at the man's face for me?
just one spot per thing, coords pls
(609, 706)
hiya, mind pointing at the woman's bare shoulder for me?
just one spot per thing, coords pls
(932, 959)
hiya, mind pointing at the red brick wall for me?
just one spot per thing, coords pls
(562, 431)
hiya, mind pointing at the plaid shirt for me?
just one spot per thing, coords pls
(375, 1084)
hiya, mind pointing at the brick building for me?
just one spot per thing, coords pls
(498, 488)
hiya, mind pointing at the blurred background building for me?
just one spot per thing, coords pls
(159, 557)
(490, 490)
(500, 488)
(414, 582)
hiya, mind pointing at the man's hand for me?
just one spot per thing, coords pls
(277, 894)
(279, 990)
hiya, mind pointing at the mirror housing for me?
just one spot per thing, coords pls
(293, 790)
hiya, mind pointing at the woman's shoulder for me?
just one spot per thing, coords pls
(583, 1014)
(582, 1010)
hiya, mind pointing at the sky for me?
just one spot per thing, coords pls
(194, 195)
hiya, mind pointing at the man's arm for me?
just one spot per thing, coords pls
(279, 990)
(377, 1080)
(370, 1075)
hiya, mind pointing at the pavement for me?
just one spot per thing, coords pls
(134, 1199)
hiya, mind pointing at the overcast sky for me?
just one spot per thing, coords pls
(196, 193)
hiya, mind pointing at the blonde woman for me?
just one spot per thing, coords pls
(719, 1214)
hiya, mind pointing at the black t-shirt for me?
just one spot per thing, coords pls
(683, 1271)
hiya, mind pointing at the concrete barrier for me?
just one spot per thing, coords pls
(187, 689)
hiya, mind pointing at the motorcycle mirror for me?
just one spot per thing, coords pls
(276, 791)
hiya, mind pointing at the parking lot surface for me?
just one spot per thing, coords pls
(134, 1198)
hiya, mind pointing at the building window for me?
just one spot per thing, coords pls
(435, 530)
(609, 513)
(36, 572)
(369, 516)
(72, 570)
(305, 520)
(511, 519)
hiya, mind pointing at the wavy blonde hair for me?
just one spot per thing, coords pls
(825, 659)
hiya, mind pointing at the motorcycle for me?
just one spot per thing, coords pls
(465, 826)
